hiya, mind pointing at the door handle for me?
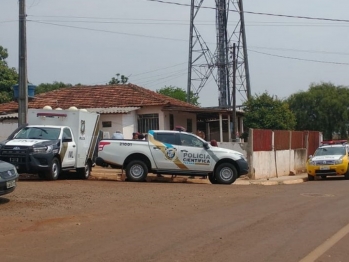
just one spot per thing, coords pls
(186, 151)
(73, 145)
(156, 148)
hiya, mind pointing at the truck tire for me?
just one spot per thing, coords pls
(311, 178)
(212, 179)
(136, 171)
(55, 169)
(226, 174)
(84, 172)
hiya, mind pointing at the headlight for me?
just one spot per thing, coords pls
(43, 149)
(243, 157)
(312, 163)
(339, 161)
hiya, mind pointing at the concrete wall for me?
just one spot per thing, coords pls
(268, 164)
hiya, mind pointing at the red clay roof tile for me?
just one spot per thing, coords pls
(99, 96)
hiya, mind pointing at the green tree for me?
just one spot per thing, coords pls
(179, 93)
(268, 112)
(46, 87)
(8, 77)
(116, 81)
(324, 107)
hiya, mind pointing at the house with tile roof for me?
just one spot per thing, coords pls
(128, 108)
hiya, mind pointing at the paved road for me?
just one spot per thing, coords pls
(73, 220)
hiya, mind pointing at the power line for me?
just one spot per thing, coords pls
(301, 59)
(258, 13)
(300, 50)
(170, 22)
(107, 31)
(183, 40)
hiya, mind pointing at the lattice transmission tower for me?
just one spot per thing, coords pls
(204, 64)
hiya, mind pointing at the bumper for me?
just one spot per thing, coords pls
(243, 167)
(331, 170)
(31, 163)
(4, 189)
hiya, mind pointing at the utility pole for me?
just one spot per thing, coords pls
(234, 94)
(22, 68)
(190, 49)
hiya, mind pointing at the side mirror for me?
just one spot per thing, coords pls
(67, 139)
(310, 156)
(206, 145)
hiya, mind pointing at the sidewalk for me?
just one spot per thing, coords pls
(110, 174)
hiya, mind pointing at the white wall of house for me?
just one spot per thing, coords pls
(125, 123)
(7, 127)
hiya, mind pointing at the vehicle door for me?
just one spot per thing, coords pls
(68, 149)
(192, 153)
(163, 147)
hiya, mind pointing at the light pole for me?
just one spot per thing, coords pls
(22, 68)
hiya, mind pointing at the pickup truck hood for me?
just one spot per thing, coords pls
(319, 158)
(222, 150)
(24, 142)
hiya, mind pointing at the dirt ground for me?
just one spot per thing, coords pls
(95, 220)
(75, 220)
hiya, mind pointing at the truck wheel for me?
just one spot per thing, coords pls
(212, 179)
(136, 171)
(55, 169)
(311, 178)
(226, 174)
(84, 172)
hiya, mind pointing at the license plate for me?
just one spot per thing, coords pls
(11, 183)
(14, 159)
(324, 168)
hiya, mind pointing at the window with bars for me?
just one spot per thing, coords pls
(148, 122)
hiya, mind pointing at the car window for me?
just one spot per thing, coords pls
(66, 133)
(190, 140)
(167, 138)
(325, 151)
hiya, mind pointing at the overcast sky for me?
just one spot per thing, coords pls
(89, 41)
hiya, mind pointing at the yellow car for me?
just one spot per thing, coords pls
(328, 160)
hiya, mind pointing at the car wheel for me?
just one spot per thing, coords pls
(84, 172)
(55, 169)
(212, 179)
(226, 174)
(346, 176)
(136, 171)
(311, 178)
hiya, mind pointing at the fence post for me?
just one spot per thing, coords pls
(251, 173)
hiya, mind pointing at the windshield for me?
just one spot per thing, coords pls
(325, 151)
(46, 133)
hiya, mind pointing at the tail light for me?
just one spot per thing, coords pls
(102, 144)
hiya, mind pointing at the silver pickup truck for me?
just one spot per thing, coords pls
(173, 153)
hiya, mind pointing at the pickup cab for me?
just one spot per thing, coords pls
(173, 153)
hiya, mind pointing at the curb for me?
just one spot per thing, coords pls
(239, 182)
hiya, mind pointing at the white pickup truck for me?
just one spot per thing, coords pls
(173, 153)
